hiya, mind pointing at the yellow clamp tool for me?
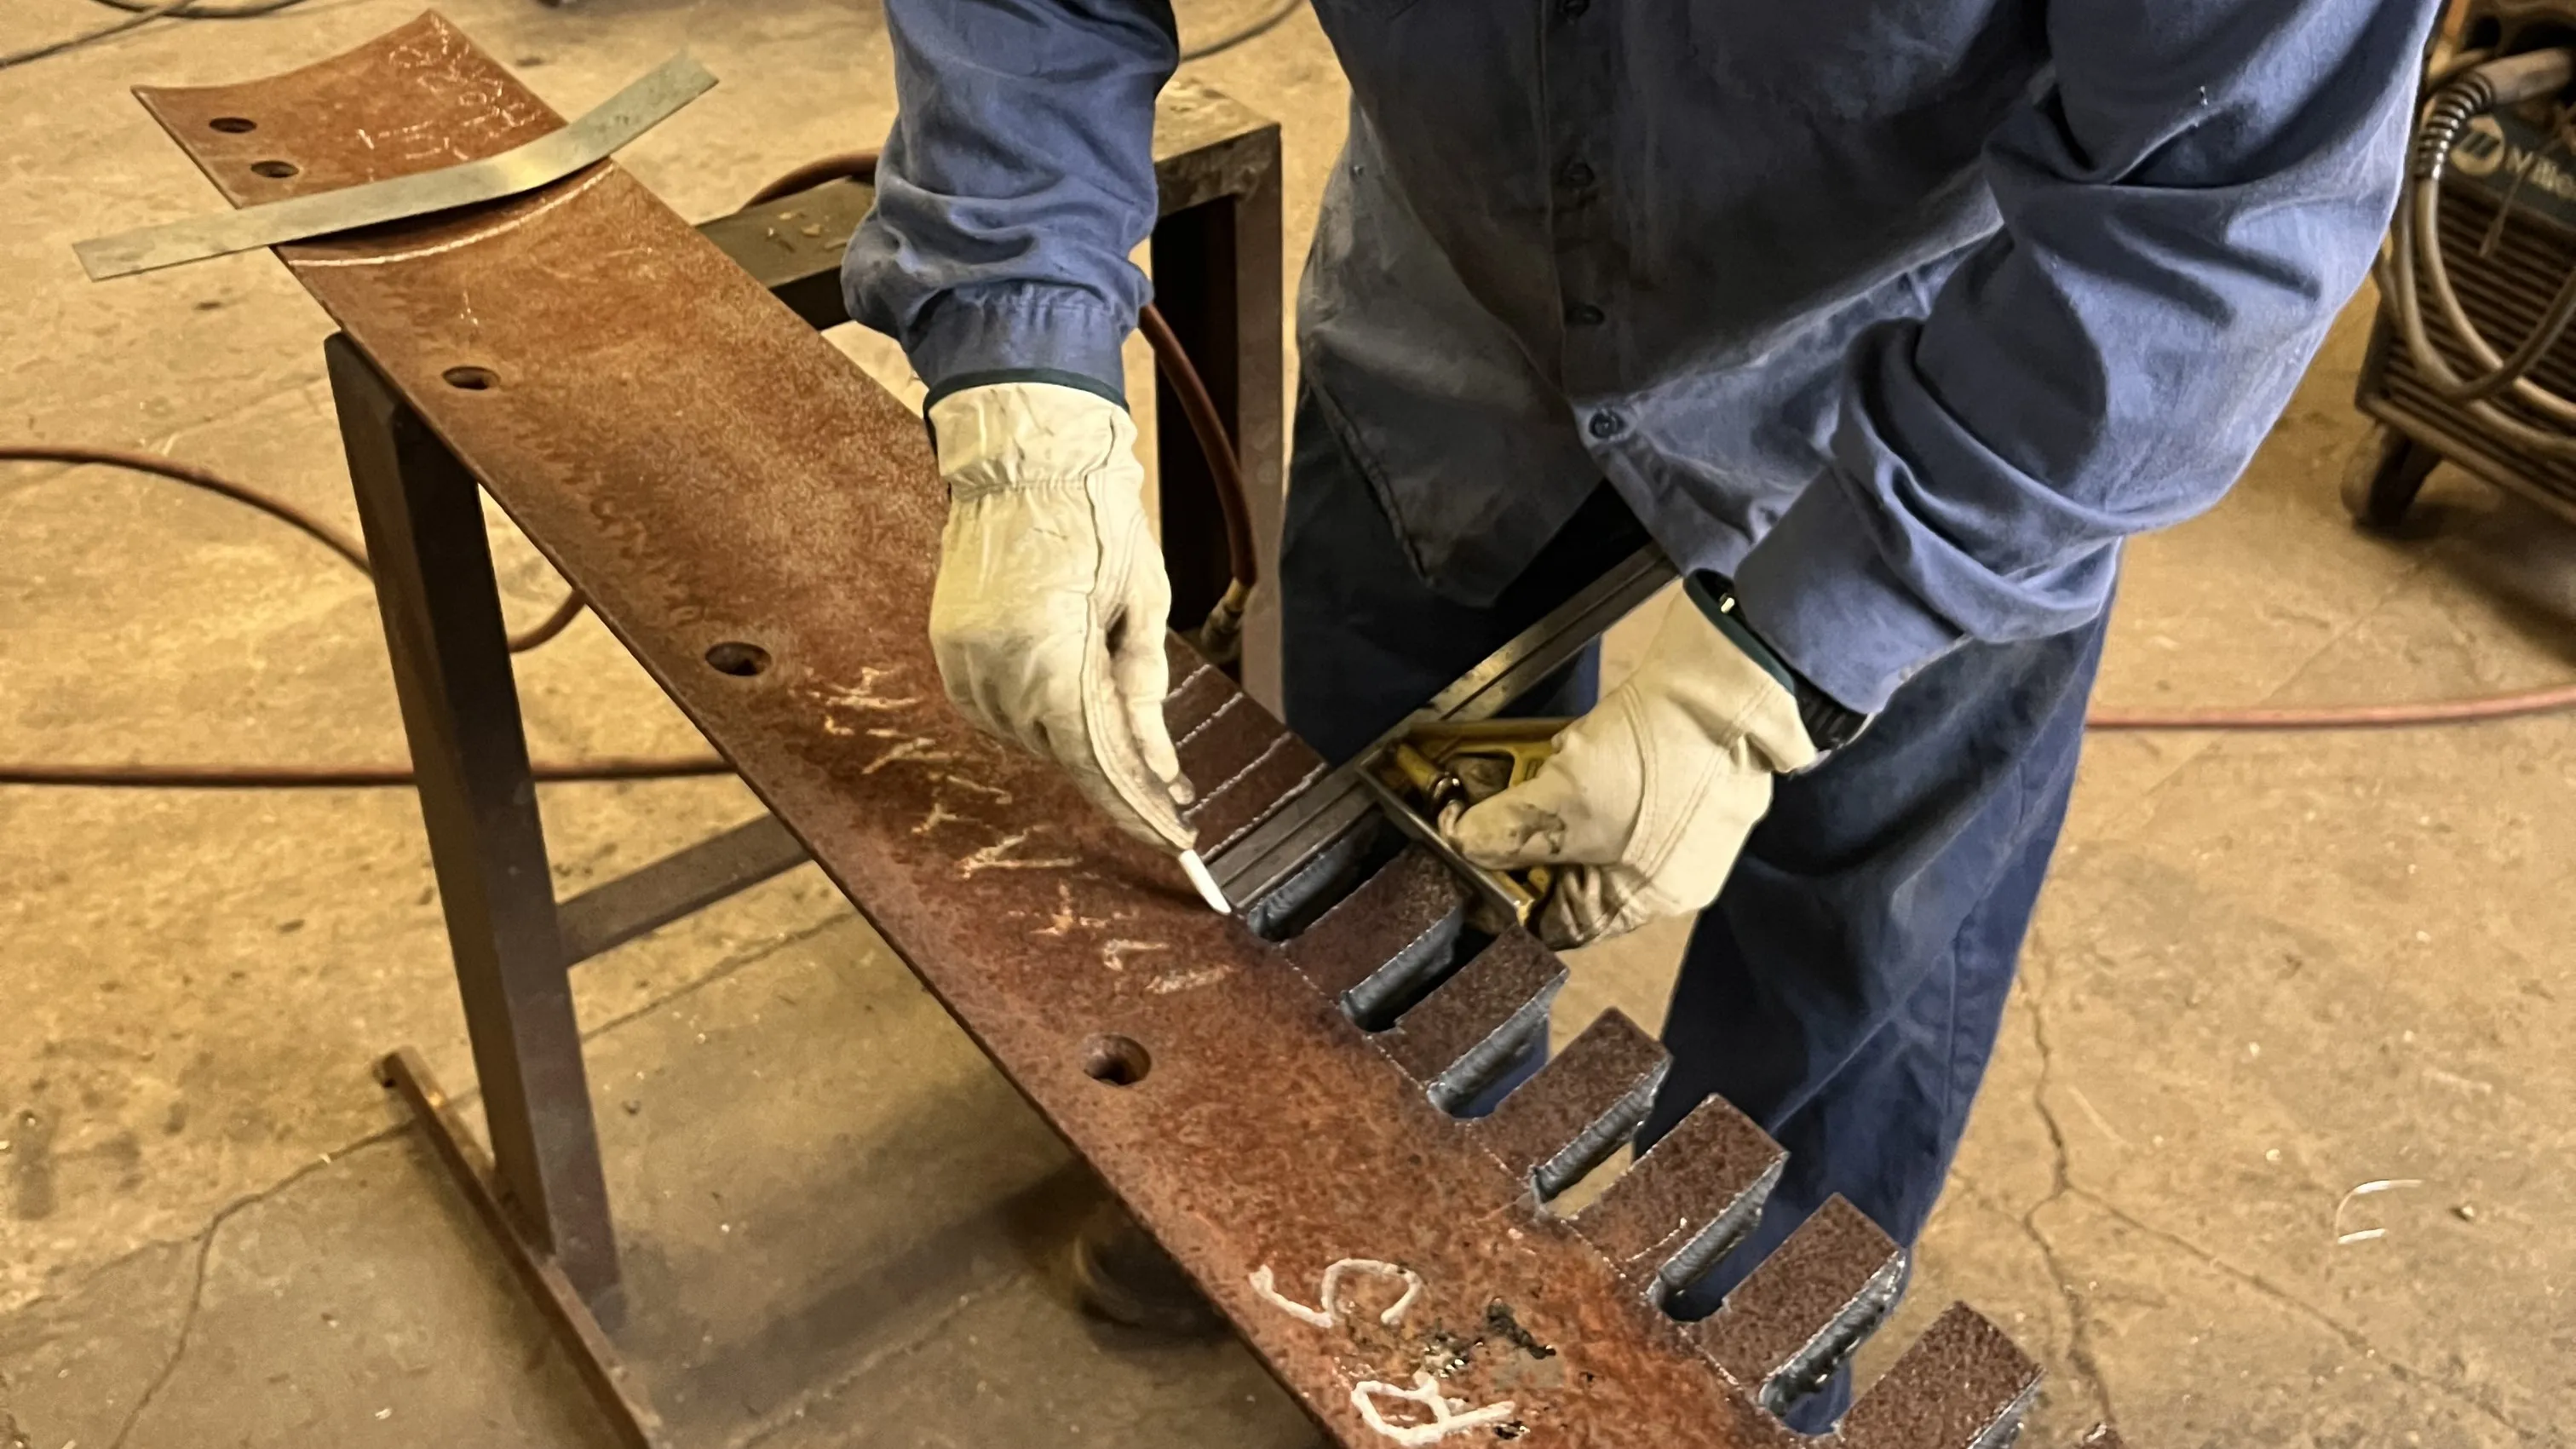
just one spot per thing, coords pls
(1436, 770)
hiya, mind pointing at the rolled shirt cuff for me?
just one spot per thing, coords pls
(1023, 333)
(1816, 589)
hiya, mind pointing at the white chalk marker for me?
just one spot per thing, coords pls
(1196, 869)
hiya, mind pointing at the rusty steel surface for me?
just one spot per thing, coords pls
(758, 523)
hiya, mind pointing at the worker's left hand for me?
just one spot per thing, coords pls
(1047, 618)
(1649, 797)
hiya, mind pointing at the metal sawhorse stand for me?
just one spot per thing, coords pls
(1216, 254)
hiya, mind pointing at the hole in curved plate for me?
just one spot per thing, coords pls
(275, 170)
(738, 659)
(233, 125)
(470, 379)
(1121, 1061)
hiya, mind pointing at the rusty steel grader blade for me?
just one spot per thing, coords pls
(758, 523)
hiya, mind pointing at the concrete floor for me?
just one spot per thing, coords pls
(2268, 969)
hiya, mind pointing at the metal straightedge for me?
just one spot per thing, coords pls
(1353, 1230)
(1260, 860)
(399, 197)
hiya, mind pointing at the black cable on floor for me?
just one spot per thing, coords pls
(139, 13)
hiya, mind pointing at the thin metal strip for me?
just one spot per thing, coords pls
(1541, 649)
(551, 157)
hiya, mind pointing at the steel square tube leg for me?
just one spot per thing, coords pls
(423, 516)
(1217, 281)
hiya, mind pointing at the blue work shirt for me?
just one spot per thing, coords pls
(1903, 313)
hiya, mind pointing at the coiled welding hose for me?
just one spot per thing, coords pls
(2412, 262)
(1221, 631)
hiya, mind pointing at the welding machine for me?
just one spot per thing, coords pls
(2469, 362)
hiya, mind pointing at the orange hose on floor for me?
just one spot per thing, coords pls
(2549, 700)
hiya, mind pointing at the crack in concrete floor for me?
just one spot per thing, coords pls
(205, 1241)
(2079, 1344)
(2352, 1337)
(204, 1238)
(2080, 1353)
(930, 1328)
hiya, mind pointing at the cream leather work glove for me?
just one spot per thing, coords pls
(1646, 802)
(1047, 620)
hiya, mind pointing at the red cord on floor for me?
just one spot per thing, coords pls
(184, 777)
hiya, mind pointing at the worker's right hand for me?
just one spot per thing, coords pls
(1048, 617)
(1649, 798)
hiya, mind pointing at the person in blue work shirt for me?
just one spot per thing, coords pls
(1887, 320)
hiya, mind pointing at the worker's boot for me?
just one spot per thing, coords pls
(1123, 1275)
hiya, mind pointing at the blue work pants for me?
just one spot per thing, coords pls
(1846, 989)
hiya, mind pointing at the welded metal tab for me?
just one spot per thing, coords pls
(1459, 1040)
(1784, 1328)
(1384, 939)
(1694, 1195)
(1581, 1107)
(1243, 763)
(1199, 691)
(1963, 1385)
(759, 524)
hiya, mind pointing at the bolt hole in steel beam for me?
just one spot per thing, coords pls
(470, 379)
(275, 170)
(1121, 1061)
(738, 659)
(233, 125)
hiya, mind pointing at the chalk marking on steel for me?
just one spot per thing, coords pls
(1114, 954)
(1173, 981)
(1446, 1415)
(997, 856)
(1265, 1284)
(1229, 782)
(1218, 713)
(1064, 921)
(916, 750)
(999, 796)
(863, 695)
(940, 815)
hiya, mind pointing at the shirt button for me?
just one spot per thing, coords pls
(1583, 314)
(1607, 424)
(1572, 8)
(1576, 176)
